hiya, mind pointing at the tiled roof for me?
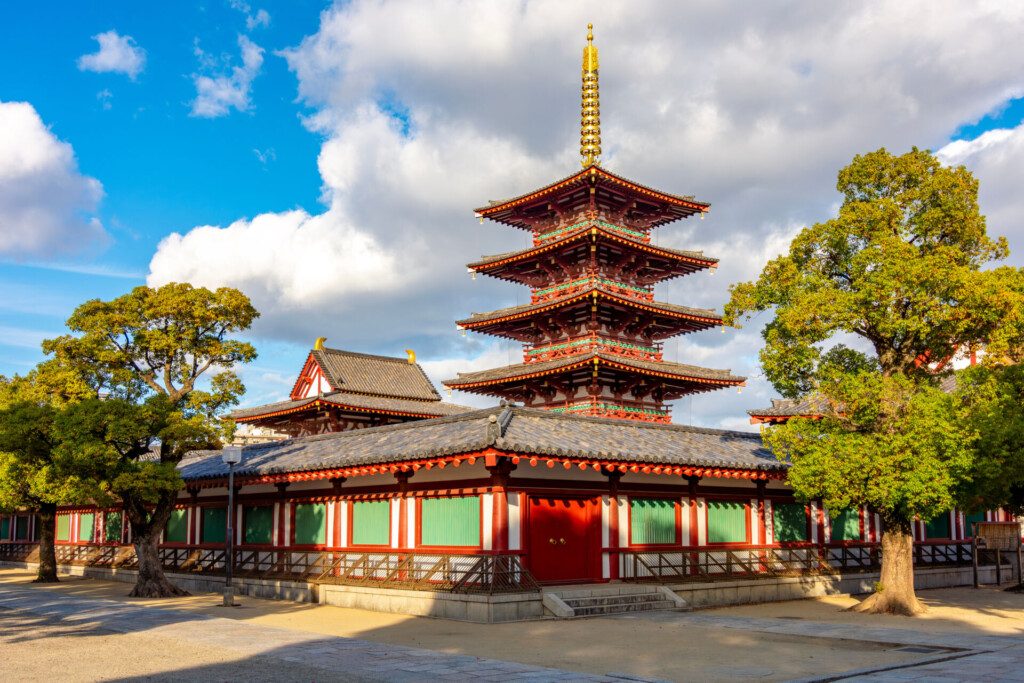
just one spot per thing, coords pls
(584, 292)
(356, 402)
(665, 367)
(517, 430)
(793, 407)
(363, 373)
(487, 260)
(580, 175)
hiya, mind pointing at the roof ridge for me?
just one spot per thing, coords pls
(352, 433)
(343, 352)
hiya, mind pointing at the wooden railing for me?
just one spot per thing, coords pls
(764, 561)
(490, 574)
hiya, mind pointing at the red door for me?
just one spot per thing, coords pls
(564, 534)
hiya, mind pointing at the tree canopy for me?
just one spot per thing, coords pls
(865, 306)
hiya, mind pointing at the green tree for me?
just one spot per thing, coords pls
(148, 350)
(35, 471)
(900, 270)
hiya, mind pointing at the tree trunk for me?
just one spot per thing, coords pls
(47, 572)
(151, 582)
(895, 592)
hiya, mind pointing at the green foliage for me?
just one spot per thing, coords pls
(34, 469)
(900, 269)
(991, 400)
(896, 446)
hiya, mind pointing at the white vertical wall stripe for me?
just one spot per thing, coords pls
(702, 523)
(343, 521)
(190, 530)
(277, 515)
(330, 523)
(410, 522)
(623, 522)
(827, 524)
(754, 526)
(287, 523)
(395, 519)
(878, 528)
(606, 509)
(814, 522)
(514, 532)
(769, 523)
(487, 520)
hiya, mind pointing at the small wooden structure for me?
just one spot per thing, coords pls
(997, 537)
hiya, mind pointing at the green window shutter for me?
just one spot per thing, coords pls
(310, 524)
(371, 522)
(214, 525)
(177, 527)
(970, 519)
(259, 524)
(727, 522)
(63, 527)
(21, 528)
(450, 521)
(652, 521)
(86, 526)
(938, 527)
(5, 528)
(789, 521)
(112, 532)
(846, 525)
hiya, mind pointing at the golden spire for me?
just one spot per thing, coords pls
(590, 114)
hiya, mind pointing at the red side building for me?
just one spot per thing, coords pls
(593, 331)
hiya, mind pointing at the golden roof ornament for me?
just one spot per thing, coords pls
(318, 345)
(590, 113)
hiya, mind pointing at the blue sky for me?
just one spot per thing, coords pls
(340, 164)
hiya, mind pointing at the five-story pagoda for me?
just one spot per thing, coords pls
(592, 331)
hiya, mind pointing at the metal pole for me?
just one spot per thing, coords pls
(229, 559)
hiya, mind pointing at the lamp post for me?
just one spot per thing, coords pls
(231, 456)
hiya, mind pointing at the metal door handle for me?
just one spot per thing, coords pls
(552, 541)
(562, 541)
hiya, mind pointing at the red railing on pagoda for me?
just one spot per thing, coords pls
(597, 407)
(591, 343)
(581, 284)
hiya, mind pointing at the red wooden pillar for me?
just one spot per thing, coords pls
(694, 539)
(762, 527)
(403, 507)
(500, 471)
(282, 515)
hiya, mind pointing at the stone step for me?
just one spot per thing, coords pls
(598, 591)
(599, 600)
(624, 607)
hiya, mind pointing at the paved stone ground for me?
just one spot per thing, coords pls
(962, 656)
(347, 659)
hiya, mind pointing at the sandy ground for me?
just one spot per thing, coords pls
(41, 649)
(983, 611)
(637, 647)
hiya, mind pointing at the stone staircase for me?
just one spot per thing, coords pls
(603, 599)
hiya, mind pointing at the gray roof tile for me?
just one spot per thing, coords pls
(527, 432)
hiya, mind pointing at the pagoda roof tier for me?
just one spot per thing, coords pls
(677, 379)
(662, 320)
(614, 196)
(350, 402)
(651, 263)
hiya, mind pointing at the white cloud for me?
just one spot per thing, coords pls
(259, 18)
(751, 107)
(116, 54)
(218, 94)
(46, 205)
(996, 157)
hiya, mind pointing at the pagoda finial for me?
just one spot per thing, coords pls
(590, 113)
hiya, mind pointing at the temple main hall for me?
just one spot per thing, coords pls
(381, 495)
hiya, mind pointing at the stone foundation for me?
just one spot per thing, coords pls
(461, 607)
